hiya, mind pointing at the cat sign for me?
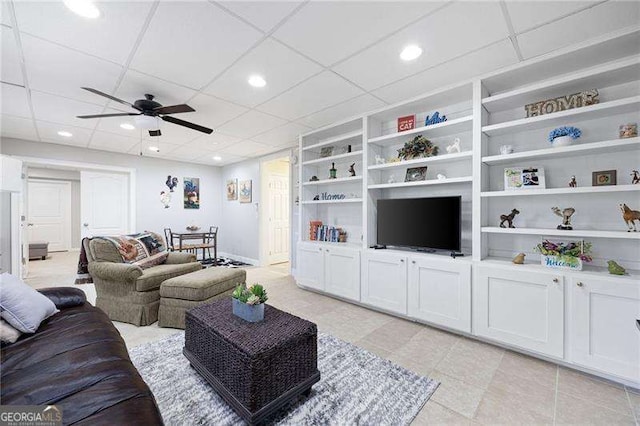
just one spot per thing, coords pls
(406, 123)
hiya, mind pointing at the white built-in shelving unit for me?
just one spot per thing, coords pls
(486, 113)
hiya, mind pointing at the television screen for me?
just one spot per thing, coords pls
(427, 223)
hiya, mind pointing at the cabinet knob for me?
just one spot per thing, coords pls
(327, 250)
(320, 249)
(413, 261)
(579, 284)
(555, 280)
(402, 260)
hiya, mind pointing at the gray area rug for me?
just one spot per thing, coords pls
(356, 388)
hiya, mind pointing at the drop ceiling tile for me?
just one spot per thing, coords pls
(10, 69)
(165, 149)
(61, 71)
(281, 67)
(330, 31)
(245, 148)
(135, 85)
(213, 142)
(526, 15)
(598, 20)
(111, 36)
(112, 142)
(64, 111)
(174, 134)
(350, 108)
(263, 14)
(112, 125)
(250, 124)
(482, 61)
(312, 95)
(49, 133)
(5, 13)
(283, 135)
(213, 112)
(453, 31)
(14, 101)
(191, 45)
(226, 160)
(16, 127)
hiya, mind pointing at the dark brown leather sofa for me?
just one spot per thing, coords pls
(78, 362)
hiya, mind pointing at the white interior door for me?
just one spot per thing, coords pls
(278, 211)
(104, 203)
(49, 213)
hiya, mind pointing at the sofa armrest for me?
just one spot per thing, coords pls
(176, 257)
(64, 297)
(110, 271)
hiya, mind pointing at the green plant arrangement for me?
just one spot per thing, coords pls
(253, 295)
(416, 148)
(564, 255)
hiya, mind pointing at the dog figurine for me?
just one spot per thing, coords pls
(454, 147)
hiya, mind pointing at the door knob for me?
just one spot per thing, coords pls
(579, 284)
(29, 224)
(86, 225)
(555, 280)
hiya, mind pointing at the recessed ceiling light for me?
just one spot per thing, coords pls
(84, 8)
(411, 52)
(217, 158)
(127, 126)
(257, 81)
(154, 149)
(65, 133)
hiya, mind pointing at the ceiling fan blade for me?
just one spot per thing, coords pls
(122, 114)
(155, 132)
(113, 98)
(187, 124)
(173, 109)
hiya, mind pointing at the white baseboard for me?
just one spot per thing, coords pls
(248, 260)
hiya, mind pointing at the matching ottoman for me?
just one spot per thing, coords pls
(38, 250)
(179, 294)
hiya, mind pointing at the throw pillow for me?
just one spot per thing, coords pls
(8, 334)
(22, 306)
(153, 260)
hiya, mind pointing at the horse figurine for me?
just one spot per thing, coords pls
(635, 177)
(508, 218)
(573, 183)
(630, 216)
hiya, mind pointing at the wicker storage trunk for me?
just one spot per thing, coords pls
(256, 367)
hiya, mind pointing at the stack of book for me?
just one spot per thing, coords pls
(313, 229)
(329, 234)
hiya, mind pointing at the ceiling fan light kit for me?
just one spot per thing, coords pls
(149, 113)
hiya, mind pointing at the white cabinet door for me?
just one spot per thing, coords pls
(523, 308)
(384, 281)
(342, 272)
(440, 292)
(602, 325)
(310, 268)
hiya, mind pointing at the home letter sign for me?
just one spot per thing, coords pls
(406, 123)
(562, 103)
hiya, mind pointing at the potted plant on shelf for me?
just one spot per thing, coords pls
(248, 302)
(416, 148)
(564, 136)
(564, 255)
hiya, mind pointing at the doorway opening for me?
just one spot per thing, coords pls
(275, 212)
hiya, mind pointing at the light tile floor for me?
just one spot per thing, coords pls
(480, 383)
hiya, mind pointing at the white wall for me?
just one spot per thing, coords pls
(151, 173)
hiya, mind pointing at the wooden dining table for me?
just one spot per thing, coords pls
(203, 238)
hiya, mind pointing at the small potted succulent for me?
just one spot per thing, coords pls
(248, 302)
(564, 255)
(564, 136)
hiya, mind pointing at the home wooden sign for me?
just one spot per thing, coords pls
(562, 103)
(406, 123)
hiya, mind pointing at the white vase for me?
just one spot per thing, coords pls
(562, 141)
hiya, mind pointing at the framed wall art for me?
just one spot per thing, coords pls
(244, 191)
(232, 189)
(191, 193)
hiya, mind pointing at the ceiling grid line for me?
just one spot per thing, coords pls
(563, 16)
(512, 34)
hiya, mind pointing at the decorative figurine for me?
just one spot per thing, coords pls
(508, 218)
(314, 179)
(615, 269)
(635, 177)
(171, 182)
(333, 171)
(630, 216)
(506, 149)
(392, 179)
(628, 130)
(565, 214)
(573, 183)
(454, 147)
(393, 159)
(316, 198)
(380, 160)
(165, 198)
(352, 170)
(434, 119)
(440, 176)
(519, 259)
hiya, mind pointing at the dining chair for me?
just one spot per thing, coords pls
(168, 236)
(213, 240)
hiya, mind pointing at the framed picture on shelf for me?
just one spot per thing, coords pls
(416, 174)
(604, 178)
(523, 178)
(326, 151)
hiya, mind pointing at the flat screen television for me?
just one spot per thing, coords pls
(420, 223)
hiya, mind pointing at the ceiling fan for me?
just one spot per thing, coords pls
(147, 107)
